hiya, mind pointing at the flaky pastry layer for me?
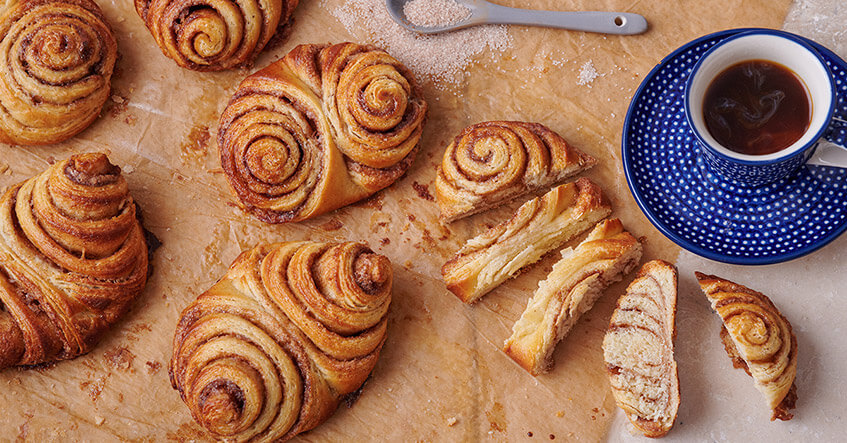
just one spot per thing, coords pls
(537, 227)
(570, 290)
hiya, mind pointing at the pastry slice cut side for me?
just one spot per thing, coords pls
(638, 350)
(537, 227)
(758, 339)
(491, 163)
(574, 284)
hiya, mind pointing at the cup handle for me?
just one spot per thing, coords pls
(828, 153)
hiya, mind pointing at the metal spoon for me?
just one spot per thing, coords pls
(483, 12)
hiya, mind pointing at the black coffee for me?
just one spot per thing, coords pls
(757, 107)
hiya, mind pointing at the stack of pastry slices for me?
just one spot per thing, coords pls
(491, 163)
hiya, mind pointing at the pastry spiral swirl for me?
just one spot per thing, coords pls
(322, 128)
(490, 163)
(214, 35)
(270, 350)
(56, 62)
(758, 339)
(72, 259)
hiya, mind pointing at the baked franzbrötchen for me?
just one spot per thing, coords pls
(324, 127)
(56, 63)
(273, 347)
(72, 260)
(214, 35)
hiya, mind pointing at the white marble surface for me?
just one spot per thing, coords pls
(720, 403)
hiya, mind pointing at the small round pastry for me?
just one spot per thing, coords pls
(56, 63)
(72, 260)
(274, 346)
(324, 127)
(214, 35)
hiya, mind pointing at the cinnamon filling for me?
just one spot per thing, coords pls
(92, 170)
(221, 401)
(371, 271)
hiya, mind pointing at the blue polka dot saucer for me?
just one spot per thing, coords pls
(706, 214)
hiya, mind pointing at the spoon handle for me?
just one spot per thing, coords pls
(623, 23)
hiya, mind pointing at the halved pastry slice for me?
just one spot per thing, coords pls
(491, 163)
(539, 226)
(638, 350)
(758, 339)
(571, 289)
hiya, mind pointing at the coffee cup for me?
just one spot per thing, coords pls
(788, 51)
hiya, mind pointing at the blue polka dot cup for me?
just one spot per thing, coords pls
(787, 50)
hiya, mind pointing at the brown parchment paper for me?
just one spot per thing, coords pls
(442, 375)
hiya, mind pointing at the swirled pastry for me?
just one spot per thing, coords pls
(56, 62)
(570, 290)
(213, 35)
(322, 128)
(758, 339)
(72, 260)
(270, 350)
(638, 350)
(493, 162)
(539, 226)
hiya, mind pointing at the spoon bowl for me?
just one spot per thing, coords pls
(483, 12)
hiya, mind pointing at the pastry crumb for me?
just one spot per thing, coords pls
(560, 414)
(98, 420)
(423, 191)
(452, 421)
(153, 367)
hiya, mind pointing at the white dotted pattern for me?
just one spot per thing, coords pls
(726, 220)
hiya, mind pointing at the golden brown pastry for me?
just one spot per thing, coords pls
(638, 350)
(539, 226)
(322, 128)
(72, 260)
(574, 284)
(272, 348)
(213, 35)
(758, 339)
(491, 163)
(56, 62)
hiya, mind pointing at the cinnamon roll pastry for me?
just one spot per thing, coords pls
(539, 226)
(322, 128)
(56, 62)
(214, 35)
(72, 260)
(273, 347)
(758, 339)
(574, 284)
(638, 350)
(491, 163)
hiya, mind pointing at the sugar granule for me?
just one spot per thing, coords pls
(587, 74)
(441, 58)
(435, 13)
